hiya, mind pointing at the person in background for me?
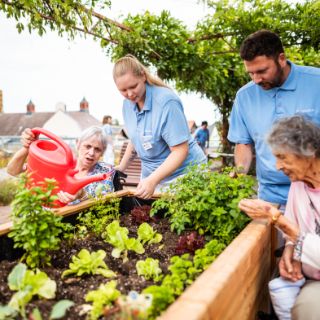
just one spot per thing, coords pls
(202, 136)
(108, 156)
(90, 147)
(295, 142)
(278, 89)
(158, 130)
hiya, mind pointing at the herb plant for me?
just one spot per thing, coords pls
(146, 234)
(36, 229)
(149, 269)
(118, 237)
(28, 283)
(207, 202)
(97, 217)
(102, 298)
(89, 263)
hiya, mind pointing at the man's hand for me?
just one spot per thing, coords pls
(290, 269)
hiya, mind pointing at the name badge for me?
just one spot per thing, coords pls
(146, 142)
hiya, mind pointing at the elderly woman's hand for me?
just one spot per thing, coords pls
(258, 209)
(27, 137)
(66, 197)
(290, 269)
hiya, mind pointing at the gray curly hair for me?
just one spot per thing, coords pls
(296, 135)
(94, 131)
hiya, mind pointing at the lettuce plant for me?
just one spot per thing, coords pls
(118, 237)
(102, 298)
(146, 234)
(28, 283)
(89, 263)
(141, 214)
(189, 243)
(149, 269)
(58, 311)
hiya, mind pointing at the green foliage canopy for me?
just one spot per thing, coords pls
(204, 60)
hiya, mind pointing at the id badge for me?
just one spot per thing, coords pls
(146, 142)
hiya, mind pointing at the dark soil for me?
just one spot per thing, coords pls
(75, 289)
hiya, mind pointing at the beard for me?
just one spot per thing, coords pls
(276, 81)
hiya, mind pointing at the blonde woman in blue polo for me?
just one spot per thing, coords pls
(156, 125)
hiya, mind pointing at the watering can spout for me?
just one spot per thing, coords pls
(75, 184)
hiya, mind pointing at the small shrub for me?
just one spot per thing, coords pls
(36, 229)
(8, 190)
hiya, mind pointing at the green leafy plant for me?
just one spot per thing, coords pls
(204, 257)
(146, 234)
(8, 313)
(149, 269)
(28, 284)
(89, 263)
(97, 217)
(102, 298)
(161, 297)
(36, 229)
(207, 202)
(118, 237)
(58, 311)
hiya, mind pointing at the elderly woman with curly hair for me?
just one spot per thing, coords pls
(90, 147)
(295, 142)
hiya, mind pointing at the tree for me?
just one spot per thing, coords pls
(204, 60)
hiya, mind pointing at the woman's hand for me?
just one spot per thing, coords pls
(27, 137)
(290, 269)
(145, 188)
(66, 197)
(258, 209)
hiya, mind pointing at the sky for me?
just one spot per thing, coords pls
(49, 70)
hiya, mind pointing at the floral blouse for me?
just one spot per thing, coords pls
(99, 188)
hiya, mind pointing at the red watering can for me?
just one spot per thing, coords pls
(54, 159)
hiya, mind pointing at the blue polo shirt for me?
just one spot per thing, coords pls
(160, 125)
(202, 136)
(255, 110)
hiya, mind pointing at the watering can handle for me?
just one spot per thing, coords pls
(69, 155)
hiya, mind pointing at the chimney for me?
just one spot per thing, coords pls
(1, 102)
(31, 107)
(84, 105)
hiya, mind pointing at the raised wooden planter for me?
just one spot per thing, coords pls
(233, 287)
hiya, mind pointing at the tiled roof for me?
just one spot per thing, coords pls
(12, 124)
(84, 119)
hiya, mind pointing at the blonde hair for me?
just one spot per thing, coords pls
(130, 63)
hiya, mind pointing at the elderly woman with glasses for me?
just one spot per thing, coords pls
(90, 147)
(295, 142)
